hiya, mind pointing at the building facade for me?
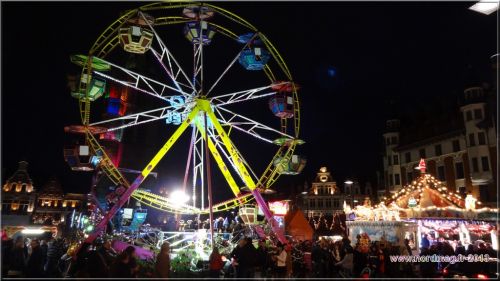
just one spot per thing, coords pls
(52, 204)
(463, 156)
(18, 197)
(325, 198)
(22, 205)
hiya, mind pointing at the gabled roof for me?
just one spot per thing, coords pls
(21, 175)
(428, 192)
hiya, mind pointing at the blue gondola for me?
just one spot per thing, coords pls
(254, 59)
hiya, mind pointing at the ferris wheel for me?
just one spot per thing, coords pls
(180, 95)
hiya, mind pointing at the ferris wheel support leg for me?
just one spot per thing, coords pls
(242, 170)
(152, 164)
(218, 159)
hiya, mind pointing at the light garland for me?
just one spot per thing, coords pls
(415, 192)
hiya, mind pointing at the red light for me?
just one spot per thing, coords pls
(445, 271)
(482, 276)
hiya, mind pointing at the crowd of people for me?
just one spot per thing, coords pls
(33, 258)
(323, 258)
(442, 247)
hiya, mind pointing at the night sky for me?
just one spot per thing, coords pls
(355, 63)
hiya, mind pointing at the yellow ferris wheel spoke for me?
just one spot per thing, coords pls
(222, 166)
(237, 160)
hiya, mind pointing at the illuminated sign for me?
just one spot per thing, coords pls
(279, 207)
(127, 213)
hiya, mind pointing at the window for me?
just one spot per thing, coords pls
(336, 203)
(397, 180)
(438, 150)
(456, 146)
(421, 153)
(459, 170)
(408, 157)
(481, 138)
(410, 177)
(390, 179)
(462, 190)
(394, 140)
(475, 167)
(389, 160)
(312, 203)
(485, 163)
(483, 193)
(395, 160)
(472, 140)
(468, 115)
(320, 203)
(478, 114)
(441, 175)
(387, 141)
(328, 203)
(18, 187)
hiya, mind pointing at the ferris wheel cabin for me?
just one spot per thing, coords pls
(198, 12)
(136, 37)
(281, 104)
(254, 59)
(79, 156)
(293, 166)
(199, 31)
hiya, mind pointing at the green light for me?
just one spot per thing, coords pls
(85, 220)
(89, 228)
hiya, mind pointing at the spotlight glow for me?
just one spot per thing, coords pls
(179, 197)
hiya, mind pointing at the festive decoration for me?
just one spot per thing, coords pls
(279, 207)
(427, 197)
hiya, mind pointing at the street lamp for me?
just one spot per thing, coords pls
(485, 6)
(178, 197)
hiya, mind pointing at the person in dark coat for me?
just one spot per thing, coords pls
(34, 268)
(7, 246)
(54, 253)
(243, 259)
(125, 264)
(162, 266)
(44, 248)
(18, 258)
(263, 258)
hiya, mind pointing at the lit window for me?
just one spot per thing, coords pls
(29, 188)
(14, 206)
(64, 204)
(18, 187)
(6, 188)
(73, 204)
